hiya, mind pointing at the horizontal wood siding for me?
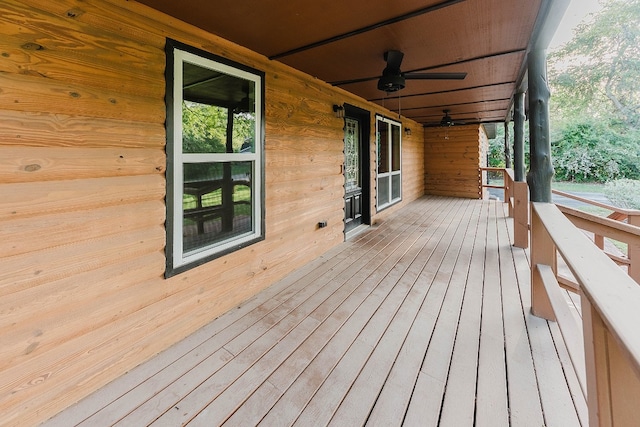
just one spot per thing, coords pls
(451, 160)
(82, 187)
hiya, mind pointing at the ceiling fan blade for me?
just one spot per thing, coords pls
(435, 76)
(393, 59)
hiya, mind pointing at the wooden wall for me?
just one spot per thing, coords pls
(82, 187)
(452, 157)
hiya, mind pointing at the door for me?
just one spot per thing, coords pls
(356, 171)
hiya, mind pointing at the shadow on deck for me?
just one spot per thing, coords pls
(423, 320)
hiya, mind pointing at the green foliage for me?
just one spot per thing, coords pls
(595, 103)
(624, 193)
(204, 128)
(602, 79)
(595, 151)
(495, 157)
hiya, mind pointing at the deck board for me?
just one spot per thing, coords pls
(422, 320)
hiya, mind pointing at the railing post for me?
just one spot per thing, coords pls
(595, 365)
(613, 386)
(543, 251)
(633, 252)
(508, 189)
(505, 189)
(520, 215)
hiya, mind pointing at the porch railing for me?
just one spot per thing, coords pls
(607, 358)
(507, 184)
(622, 225)
(516, 194)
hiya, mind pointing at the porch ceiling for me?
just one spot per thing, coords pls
(340, 41)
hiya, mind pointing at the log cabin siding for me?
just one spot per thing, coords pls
(82, 188)
(452, 159)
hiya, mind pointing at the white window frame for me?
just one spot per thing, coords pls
(391, 201)
(181, 260)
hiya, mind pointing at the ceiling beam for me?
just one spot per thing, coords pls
(443, 91)
(449, 106)
(368, 28)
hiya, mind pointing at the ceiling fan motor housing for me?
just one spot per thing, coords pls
(391, 81)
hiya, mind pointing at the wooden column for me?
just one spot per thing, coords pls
(541, 170)
(518, 137)
(507, 148)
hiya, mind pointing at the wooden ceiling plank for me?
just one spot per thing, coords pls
(368, 28)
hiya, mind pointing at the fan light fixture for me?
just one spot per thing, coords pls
(446, 120)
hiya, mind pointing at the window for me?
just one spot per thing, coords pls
(389, 176)
(214, 156)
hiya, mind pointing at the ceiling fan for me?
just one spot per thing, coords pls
(447, 121)
(393, 80)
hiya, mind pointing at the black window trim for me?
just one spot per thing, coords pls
(170, 47)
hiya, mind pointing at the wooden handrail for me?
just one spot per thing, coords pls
(610, 309)
(622, 211)
(611, 227)
(516, 194)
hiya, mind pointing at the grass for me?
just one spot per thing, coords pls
(582, 187)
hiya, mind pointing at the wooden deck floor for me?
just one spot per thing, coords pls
(421, 321)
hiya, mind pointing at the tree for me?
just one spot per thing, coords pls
(603, 78)
(595, 103)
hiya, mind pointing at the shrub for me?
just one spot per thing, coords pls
(624, 193)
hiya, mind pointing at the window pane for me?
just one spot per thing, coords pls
(351, 156)
(395, 148)
(395, 187)
(217, 203)
(210, 99)
(383, 191)
(383, 147)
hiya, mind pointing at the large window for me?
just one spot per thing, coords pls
(389, 151)
(214, 156)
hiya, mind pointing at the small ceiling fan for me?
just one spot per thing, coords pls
(393, 80)
(447, 121)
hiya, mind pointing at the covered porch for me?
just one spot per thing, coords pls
(425, 319)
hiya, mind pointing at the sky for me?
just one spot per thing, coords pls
(576, 12)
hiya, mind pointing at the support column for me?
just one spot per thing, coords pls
(541, 170)
(518, 137)
(507, 148)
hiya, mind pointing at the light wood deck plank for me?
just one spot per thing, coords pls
(524, 400)
(393, 400)
(355, 409)
(422, 320)
(430, 387)
(387, 299)
(458, 407)
(492, 405)
(557, 404)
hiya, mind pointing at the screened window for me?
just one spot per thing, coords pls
(389, 152)
(214, 149)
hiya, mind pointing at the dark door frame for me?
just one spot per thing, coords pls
(364, 117)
